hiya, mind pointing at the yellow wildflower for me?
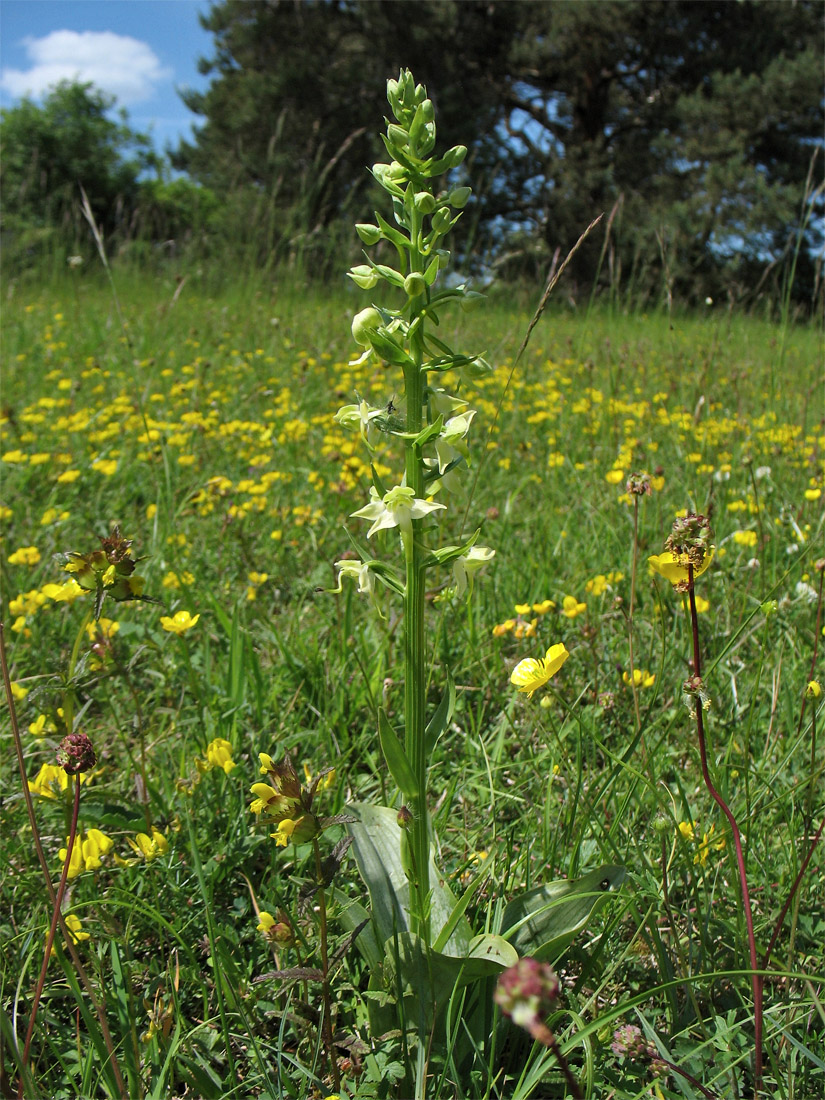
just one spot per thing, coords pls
(149, 847)
(673, 567)
(641, 678)
(178, 623)
(571, 607)
(87, 853)
(26, 555)
(532, 673)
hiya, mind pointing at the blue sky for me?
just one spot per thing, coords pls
(141, 51)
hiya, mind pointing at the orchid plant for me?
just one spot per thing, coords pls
(433, 432)
(417, 939)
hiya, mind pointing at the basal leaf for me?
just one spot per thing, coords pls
(543, 921)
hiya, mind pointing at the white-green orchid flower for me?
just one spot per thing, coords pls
(359, 571)
(468, 564)
(397, 508)
(450, 444)
(443, 403)
(359, 418)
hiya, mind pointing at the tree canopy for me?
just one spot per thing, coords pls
(696, 120)
(49, 150)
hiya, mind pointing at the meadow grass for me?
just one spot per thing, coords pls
(204, 429)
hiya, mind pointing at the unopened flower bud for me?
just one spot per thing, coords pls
(455, 155)
(363, 323)
(404, 818)
(364, 276)
(369, 233)
(397, 135)
(458, 197)
(415, 284)
(441, 220)
(425, 202)
(628, 1042)
(479, 368)
(76, 754)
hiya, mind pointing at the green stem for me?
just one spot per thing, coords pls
(415, 672)
(211, 931)
(322, 933)
(69, 692)
(633, 685)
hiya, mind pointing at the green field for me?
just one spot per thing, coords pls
(201, 421)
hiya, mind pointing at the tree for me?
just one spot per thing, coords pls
(695, 120)
(49, 151)
(298, 86)
(700, 118)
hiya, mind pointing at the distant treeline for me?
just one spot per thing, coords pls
(696, 127)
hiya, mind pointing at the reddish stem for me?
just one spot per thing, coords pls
(756, 980)
(61, 891)
(38, 847)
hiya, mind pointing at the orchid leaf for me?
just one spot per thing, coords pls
(545, 920)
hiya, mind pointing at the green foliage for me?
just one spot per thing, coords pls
(694, 123)
(49, 152)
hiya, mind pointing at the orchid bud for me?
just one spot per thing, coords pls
(415, 284)
(441, 221)
(369, 234)
(364, 276)
(458, 197)
(425, 202)
(398, 136)
(364, 324)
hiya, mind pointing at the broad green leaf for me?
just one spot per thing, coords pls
(543, 921)
(394, 755)
(351, 915)
(461, 907)
(486, 955)
(377, 849)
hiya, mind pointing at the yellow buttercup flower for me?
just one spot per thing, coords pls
(673, 567)
(534, 672)
(813, 690)
(178, 623)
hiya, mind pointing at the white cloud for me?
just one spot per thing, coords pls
(122, 66)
